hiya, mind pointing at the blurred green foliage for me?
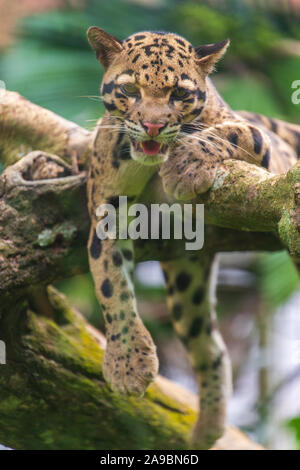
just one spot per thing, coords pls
(277, 276)
(249, 93)
(52, 63)
(252, 35)
(294, 426)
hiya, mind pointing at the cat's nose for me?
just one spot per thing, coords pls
(152, 128)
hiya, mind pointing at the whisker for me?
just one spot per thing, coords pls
(120, 131)
(200, 139)
(234, 145)
(109, 127)
(220, 139)
(92, 97)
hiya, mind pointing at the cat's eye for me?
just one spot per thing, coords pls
(130, 89)
(179, 93)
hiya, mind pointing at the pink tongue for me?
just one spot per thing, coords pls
(150, 147)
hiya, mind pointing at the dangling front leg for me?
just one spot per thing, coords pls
(130, 360)
(190, 299)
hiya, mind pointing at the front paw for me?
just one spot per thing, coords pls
(186, 180)
(130, 361)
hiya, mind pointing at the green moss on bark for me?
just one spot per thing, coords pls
(53, 396)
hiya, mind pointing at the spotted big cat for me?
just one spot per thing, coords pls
(165, 122)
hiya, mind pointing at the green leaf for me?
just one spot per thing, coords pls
(278, 278)
(294, 426)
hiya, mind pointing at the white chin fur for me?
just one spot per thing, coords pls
(149, 160)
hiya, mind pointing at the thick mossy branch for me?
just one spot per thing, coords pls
(25, 126)
(53, 396)
(246, 197)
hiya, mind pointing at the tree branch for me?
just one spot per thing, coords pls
(246, 197)
(25, 126)
(53, 395)
(44, 226)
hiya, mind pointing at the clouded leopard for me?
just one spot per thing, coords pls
(165, 121)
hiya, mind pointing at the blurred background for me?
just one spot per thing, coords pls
(44, 55)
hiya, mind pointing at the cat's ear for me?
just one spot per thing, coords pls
(105, 45)
(209, 54)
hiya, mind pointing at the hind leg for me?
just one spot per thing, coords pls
(191, 301)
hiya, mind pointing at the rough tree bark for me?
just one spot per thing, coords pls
(52, 394)
(25, 126)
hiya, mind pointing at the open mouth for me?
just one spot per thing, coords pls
(150, 147)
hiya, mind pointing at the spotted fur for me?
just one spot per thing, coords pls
(165, 119)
